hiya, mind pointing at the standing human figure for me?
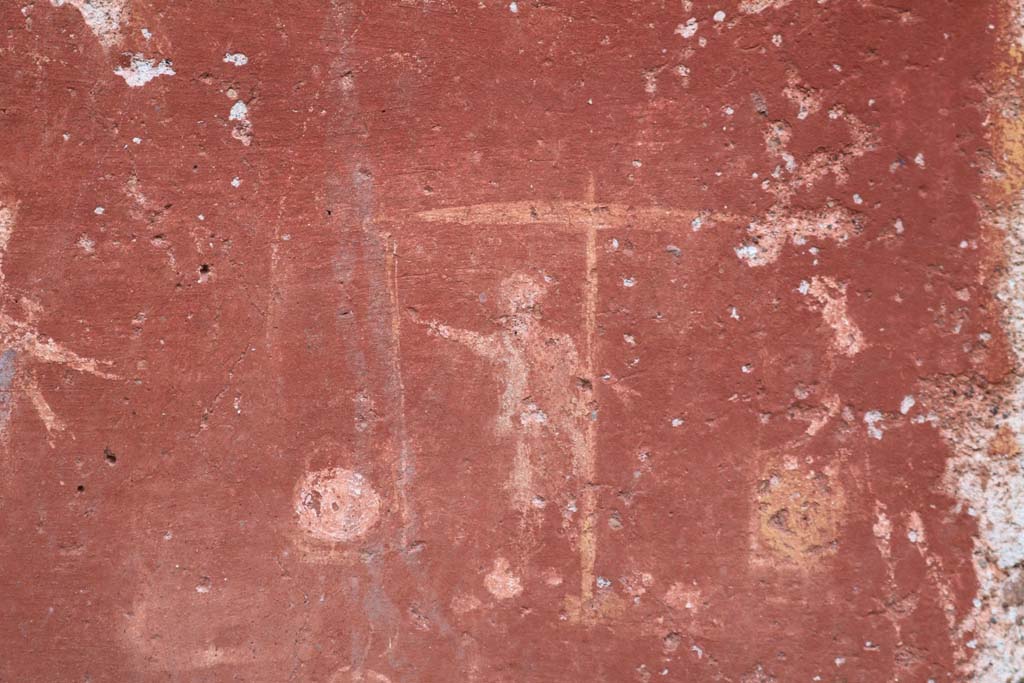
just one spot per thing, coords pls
(544, 395)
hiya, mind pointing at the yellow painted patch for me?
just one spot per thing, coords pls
(797, 515)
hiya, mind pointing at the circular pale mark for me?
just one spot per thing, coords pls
(336, 504)
(501, 582)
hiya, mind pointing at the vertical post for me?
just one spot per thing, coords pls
(400, 440)
(587, 469)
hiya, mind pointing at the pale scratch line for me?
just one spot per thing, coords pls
(43, 409)
(6, 228)
(935, 570)
(588, 468)
(401, 481)
(49, 351)
(566, 214)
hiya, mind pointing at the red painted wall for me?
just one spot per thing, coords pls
(473, 341)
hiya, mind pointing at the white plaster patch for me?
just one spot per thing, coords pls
(689, 29)
(758, 6)
(103, 17)
(782, 222)
(906, 404)
(779, 226)
(141, 70)
(243, 128)
(847, 338)
(873, 420)
(239, 112)
(806, 98)
(748, 253)
(501, 582)
(236, 58)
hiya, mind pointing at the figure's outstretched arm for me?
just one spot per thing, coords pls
(483, 344)
(14, 333)
(50, 351)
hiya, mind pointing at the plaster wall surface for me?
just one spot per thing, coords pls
(441, 340)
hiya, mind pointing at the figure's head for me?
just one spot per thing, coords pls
(519, 293)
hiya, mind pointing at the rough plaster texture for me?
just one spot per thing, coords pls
(431, 340)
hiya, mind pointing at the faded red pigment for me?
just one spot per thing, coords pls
(553, 341)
